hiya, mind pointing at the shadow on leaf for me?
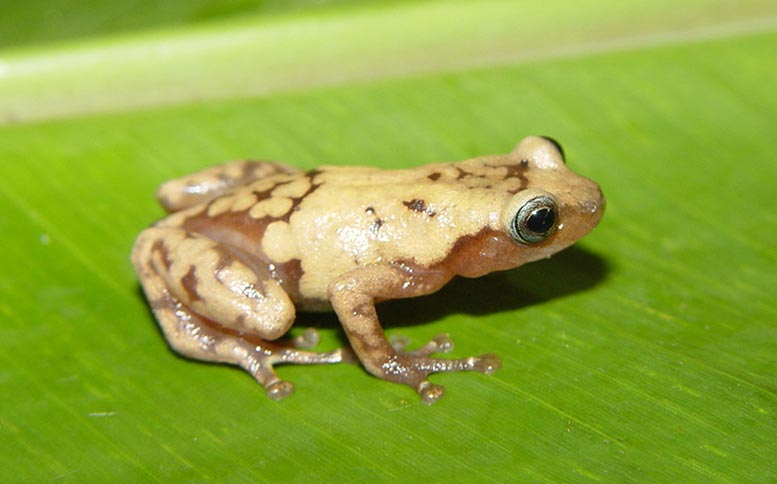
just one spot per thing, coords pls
(571, 271)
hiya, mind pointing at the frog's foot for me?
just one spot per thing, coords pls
(198, 338)
(442, 343)
(308, 339)
(414, 371)
(353, 297)
(259, 357)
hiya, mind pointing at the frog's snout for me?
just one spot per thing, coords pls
(592, 207)
(586, 208)
(595, 204)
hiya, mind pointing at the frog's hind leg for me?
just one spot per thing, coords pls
(212, 307)
(209, 184)
(197, 338)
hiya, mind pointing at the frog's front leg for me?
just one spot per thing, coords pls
(353, 297)
(213, 306)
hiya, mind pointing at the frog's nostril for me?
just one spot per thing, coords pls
(590, 206)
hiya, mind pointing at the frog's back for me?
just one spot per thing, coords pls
(492, 172)
(310, 225)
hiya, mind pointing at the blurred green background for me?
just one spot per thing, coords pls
(646, 353)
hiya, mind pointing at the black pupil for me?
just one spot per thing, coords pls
(541, 220)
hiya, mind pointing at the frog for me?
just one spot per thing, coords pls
(248, 244)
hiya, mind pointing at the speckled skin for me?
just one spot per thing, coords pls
(249, 243)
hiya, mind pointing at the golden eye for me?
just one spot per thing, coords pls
(535, 220)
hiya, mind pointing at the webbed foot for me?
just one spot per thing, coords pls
(414, 370)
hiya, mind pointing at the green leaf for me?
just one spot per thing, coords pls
(647, 353)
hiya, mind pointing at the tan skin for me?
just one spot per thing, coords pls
(247, 244)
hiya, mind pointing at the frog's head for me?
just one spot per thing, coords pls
(552, 210)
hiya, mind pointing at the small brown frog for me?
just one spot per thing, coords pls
(247, 244)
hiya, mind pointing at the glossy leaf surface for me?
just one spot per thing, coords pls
(647, 353)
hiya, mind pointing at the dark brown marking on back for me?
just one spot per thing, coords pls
(376, 225)
(519, 171)
(159, 246)
(462, 173)
(418, 205)
(434, 176)
(236, 235)
(296, 201)
(264, 194)
(313, 173)
(248, 170)
(189, 283)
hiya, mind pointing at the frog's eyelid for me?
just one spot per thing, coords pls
(544, 151)
(556, 145)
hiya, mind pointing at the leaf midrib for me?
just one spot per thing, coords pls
(228, 60)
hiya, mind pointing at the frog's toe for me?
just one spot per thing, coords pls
(430, 392)
(442, 343)
(279, 389)
(486, 364)
(399, 342)
(308, 339)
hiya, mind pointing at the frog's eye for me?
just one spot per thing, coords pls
(535, 220)
(556, 145)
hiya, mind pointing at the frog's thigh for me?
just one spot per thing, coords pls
(212, 282)
(210, 183)
(202, 334)
(188, 334)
